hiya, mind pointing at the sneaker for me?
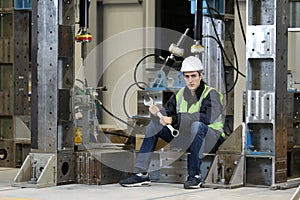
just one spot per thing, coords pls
(136, 180)
(193, 182)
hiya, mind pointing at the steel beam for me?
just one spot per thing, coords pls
(51, 161)
(266, 54)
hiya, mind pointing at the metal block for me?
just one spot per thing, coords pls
(233, 144)
(6, 22)
(262, 138)
(68, 13)
(296, 137)
(229, 71)
(226, 171)
(296, 112)
(21, 62)
(280, 169)
(160, 97)
(228, 124)
(260, 106)
(261, 12)
(173, 167)
(38, 170)
(228, 42)
(22, 151)
(213, 56)
(67, 79)
(154, 167)
(260, 74)
(7, 153)
(45, 103)
(294, 163)
(103, 167)
(207, 161)
(260, 42)
(7, 4)
(6, 50)
(289, 121)
(65, 135)
(66, 166)
(23, 129)
(64, 102)
(6, 107)
(66, 41)
(259, 171)
(7, 128)
(6, 77)
(266, 110)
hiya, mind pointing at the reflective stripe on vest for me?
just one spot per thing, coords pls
(182, 106)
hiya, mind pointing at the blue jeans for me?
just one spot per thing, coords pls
(190, 139)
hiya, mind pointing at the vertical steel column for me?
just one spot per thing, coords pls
(218, 29)
(21, 62)
(51, 160)
(46, 81)
(14, 82)
(266, 54)
(7, 134)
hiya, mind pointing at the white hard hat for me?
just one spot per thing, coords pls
(191, 63)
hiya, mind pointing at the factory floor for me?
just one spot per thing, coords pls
(157, 191)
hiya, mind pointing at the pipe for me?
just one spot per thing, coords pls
(198, 21)
(84, 14)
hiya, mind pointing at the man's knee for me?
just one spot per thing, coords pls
(199, 128)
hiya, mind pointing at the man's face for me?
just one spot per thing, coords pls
(192, 79)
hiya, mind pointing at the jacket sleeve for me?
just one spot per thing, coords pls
(177, 118)
(211, 108)
(170, 110)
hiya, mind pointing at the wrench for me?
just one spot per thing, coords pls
(174, 132)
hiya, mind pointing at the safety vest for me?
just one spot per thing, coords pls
(182, 106)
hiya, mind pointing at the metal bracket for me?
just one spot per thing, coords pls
(42, 167)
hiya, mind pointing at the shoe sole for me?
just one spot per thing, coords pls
(193, 187)
(141, 184)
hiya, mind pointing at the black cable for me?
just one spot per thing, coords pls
(225, 54)
(240, 20)
(231, 40)
(117, 134)
(136, 67)
(111, 114)
(124, 97)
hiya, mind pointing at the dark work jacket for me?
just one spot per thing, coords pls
(210, 108)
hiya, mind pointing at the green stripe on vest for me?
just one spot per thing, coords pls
(182, 106)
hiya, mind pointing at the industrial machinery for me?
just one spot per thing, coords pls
(264, 151)
(15, 90)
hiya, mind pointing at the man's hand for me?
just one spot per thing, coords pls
(164, 120)
(153, 109)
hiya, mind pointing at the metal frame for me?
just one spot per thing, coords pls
(14, 85)
(266, 55)
(51, 160)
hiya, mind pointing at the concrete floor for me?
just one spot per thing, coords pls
(157, 191)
